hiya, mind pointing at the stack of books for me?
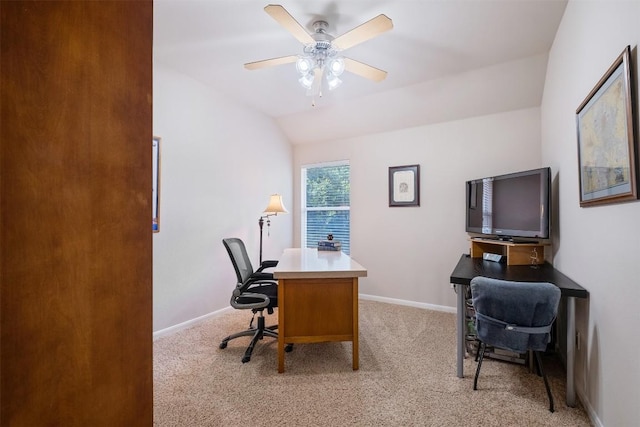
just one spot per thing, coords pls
(329, 245)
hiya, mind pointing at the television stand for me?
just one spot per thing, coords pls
(517, 253)
(518, 240)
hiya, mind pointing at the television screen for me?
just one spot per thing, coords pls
(512, 205)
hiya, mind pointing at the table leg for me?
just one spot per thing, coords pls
(355, 346)
(461, 329)
(281, 330)
(571, 350)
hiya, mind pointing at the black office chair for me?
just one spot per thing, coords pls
(515, 316)
(255, 291)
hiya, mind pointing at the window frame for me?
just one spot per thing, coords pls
(303, 198)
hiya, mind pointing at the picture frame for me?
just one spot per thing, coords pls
(404, 185)
(155, 186)
(606, 143)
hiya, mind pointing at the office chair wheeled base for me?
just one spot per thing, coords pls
(257, 334)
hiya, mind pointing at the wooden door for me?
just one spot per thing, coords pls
(75, 220)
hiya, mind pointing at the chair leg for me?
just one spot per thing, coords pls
(483, 346)
(271, 331)
(546, 382)
(260, 330)
(256, 334)
(245, 333)
(252, 344)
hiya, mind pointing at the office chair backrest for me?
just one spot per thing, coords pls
(239, 258)
(516, 316)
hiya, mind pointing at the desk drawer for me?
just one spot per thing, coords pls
(319, 308)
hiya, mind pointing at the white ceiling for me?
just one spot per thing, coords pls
(446, 59)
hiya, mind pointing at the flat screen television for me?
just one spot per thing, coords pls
(510, 207)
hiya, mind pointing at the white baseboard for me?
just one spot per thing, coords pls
(408, 303)
(593, 416)
(189, 323)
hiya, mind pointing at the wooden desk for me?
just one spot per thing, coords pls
(468, 268)
(317, 299)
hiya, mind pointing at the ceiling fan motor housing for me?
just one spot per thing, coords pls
(320, 28)
(322, 49)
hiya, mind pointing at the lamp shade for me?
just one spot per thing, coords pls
(275, 205)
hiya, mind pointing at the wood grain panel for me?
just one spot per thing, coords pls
(76, 262)
(322, 307)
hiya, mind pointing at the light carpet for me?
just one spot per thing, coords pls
(407, 377)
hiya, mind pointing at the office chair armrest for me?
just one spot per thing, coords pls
(251, 285)
(259, 276)
(269, 263)
(262, 304)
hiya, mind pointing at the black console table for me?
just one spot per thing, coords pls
(468, 268)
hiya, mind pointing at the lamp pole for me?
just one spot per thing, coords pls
(261, 224)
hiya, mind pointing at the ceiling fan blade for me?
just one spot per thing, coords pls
(363, 32)
(270, 62)
(283, 17)
(364, 70)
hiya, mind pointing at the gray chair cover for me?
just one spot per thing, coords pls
(516, 316)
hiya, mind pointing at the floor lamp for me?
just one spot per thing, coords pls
(274, 207)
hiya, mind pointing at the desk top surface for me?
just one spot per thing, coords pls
(468, 268)
(298, 263)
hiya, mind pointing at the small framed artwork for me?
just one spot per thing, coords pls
(606, 145)
(404, 185)
(155, 186)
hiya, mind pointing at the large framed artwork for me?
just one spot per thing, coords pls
(606, 143)
(404, 185)
(155, 186)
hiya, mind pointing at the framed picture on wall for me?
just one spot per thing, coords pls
(404, 185)
(155, 186)
(606, 144)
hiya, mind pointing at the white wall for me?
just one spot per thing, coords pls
(410, 251)
(209, 144)
(220, 163)
(596, 246)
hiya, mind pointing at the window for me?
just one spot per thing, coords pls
(487, 205)
(325, 204)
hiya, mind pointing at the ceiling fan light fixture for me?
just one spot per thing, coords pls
(333, 81)
(336, 66)
(307, 80)
(304, 65)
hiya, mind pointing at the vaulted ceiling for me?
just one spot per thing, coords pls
(446, 59)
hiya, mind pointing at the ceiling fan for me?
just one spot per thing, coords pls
(322, 53)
